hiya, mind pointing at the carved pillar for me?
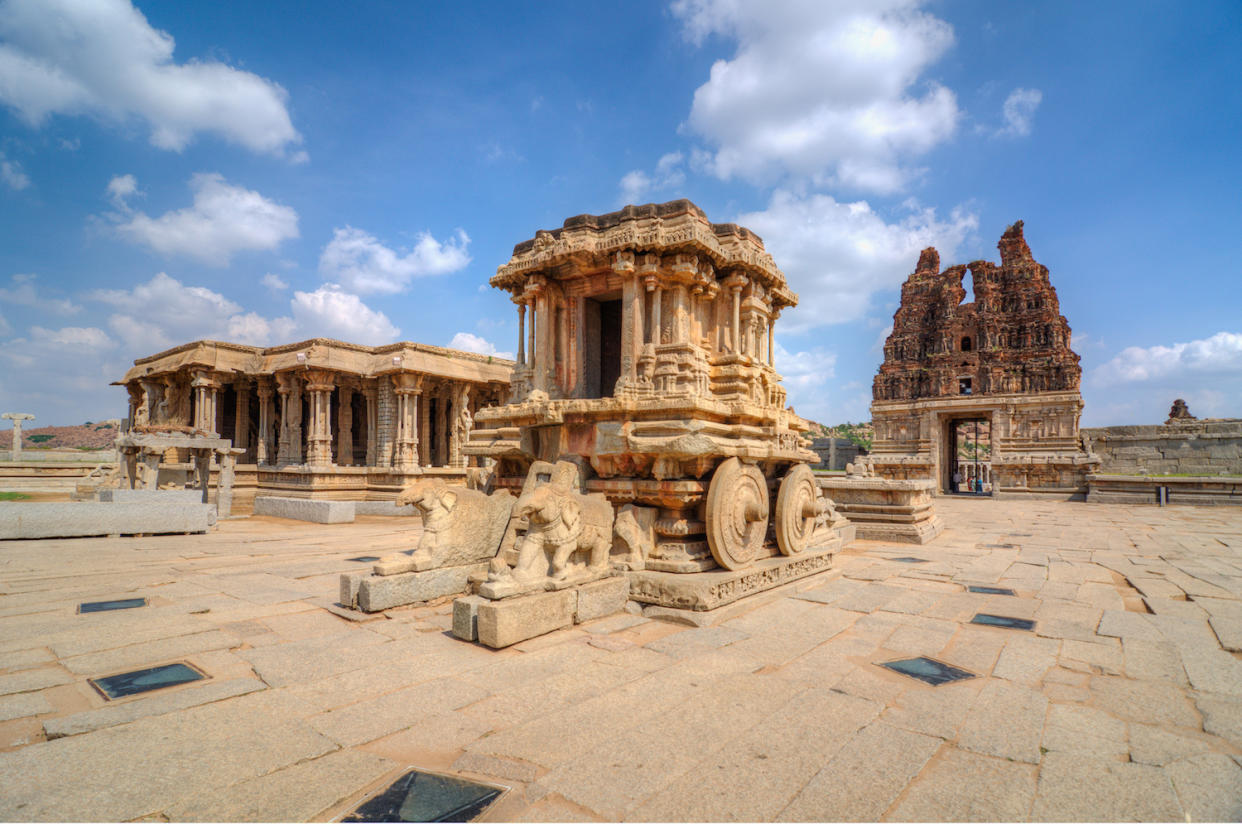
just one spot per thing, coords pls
(543, 338)
(530, 340)
(345, 426)
(771, 341)
(319, 432)
(735, 284)
(205, 387)
(425, 456)
(264, 453)
(631, 323)
(369, 392)
(461, 423)
(657, 304)
(290, 389)
(408, 387)
(521, 351)
(241, 422)
(441, 457)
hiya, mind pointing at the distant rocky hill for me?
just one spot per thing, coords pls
(90, 435)
(857, 433)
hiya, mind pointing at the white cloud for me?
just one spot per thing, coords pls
(808, 376)
(669, 174)
(12, 175)
(120, 188)
(164, 312)
(830, 91)
(1019, 112)
(359, 262)
(274, 282)
(24, 293)
(103, 58)
(469, 342)
(836, 255)
(5, 328)
(1220, 354)
(224, 220)
(331, 312)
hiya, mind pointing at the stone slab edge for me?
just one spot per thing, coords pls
(305, 509)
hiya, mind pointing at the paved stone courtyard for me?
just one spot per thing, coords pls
(1125, 703)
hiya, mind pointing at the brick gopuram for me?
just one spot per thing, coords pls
(320, 418)
(1004, 360)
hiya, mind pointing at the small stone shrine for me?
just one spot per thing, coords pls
(1003, 359)
(647, 427)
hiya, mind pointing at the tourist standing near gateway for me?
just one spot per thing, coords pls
(1003, 360)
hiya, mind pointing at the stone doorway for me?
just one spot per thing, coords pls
(968, 449)
(602, 355)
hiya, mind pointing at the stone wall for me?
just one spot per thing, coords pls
(1192, 448)
(835, 453)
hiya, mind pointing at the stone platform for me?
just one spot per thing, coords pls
(886, 510)
(375, 593)
(82, 519)
(305, 509)
(703, 591)
(1200, 490)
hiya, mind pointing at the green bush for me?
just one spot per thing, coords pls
(40, 438)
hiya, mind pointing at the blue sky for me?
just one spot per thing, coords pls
(270, 172)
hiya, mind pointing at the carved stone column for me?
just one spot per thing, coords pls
(290, 388)
(241, 417)
(443, 399)
(735, 284)
(424, 426)
(408, 387)
(345, 426)
(521, 350)
(461, 424)
(264, 453)
(205, 387)
(319, 435)
(370, 391)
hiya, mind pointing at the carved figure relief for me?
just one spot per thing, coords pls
(460, 526)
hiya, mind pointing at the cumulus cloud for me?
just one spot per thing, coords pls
(225, 219)
(830, 91)
(274, 282)
(1220, 354)
(331, 312)
(468, 342)
(120, 188)
(837, 255)
(12, 175)
(164, 312)
(24, 292)
(669, 174)
(359, 262)
(103, 58)
(1019, 112)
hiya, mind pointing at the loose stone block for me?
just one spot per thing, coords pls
(378, 592)
(601, 598)
(506, 622)
(383, 508)
(164, 496)
(86, 518)
(466, 617)
(304, 509)
(350, 583)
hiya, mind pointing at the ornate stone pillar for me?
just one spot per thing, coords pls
(771, 340)
(319, 434)
(542, 321)
(345, 426)
(521, 350)
(735, 284)
(264, 453)
(205, 387)
(462, 423)
(241, 417)
(369, 392)
(290, 389)
(408, 387)
(426, 458)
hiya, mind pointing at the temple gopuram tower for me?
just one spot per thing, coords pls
(1003, 361)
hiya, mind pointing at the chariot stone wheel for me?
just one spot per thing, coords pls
(737, 514)
(796, 509)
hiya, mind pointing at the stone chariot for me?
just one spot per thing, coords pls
(647, 361)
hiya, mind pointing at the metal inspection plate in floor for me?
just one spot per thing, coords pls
(424, 796)
(991, 590)
(928, 670)
(145, 680)
(1003, 621)
(364, 559)
(108, 606)
(908, 560)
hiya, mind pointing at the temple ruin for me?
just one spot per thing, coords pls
(1003, 360)
(319, 418)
